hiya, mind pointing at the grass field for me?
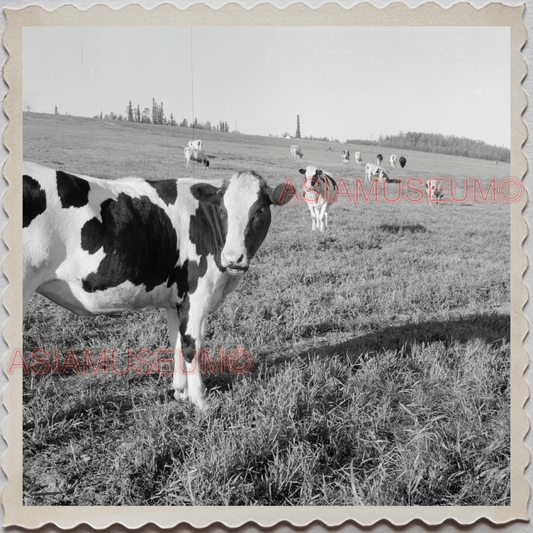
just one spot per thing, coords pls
(380, 349)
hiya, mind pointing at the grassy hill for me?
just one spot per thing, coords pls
(380, 349)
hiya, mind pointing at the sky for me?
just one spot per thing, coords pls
(343, 82)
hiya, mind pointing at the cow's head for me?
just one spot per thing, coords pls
(240, 210)
(313, 176)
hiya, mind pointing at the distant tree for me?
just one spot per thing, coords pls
(56, 111)
(146, 115)
(129, 112)
(171, 121)
(208, 125)
(101, 116)
(297, 136)
(184, 123)
(138, 114)
(154, 111)
(28, 108)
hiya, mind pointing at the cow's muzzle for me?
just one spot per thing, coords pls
(235, 264)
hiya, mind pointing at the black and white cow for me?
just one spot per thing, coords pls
(357, 157)
(296, 151)
(345, 156)
(195, 154)
(435, 191)
(402, 161)
(319, 189)
(392, 160)
(375, 170)
(99, 246)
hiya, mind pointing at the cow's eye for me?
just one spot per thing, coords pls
(261, 212)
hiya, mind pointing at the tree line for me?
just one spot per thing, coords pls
(440, 144)
(156, 115)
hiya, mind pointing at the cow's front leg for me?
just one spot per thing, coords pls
(179, 381)
(193, 317)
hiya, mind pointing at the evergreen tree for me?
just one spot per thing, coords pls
(297, 136)
(130, 112)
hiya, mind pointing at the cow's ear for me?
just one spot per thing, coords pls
(281, 194)
(302, 171)
(205, 192)
(319, 173)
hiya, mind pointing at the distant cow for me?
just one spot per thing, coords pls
(402, 161)
(357, 158)
(375, 170)
(97, 246)
(435, 191)
(345, 156)
(392, 160)
(319, 189)
(196, 155)
(197, 145)
(379, 160)
(296, 151)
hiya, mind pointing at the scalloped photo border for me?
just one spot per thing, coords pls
(396, 14)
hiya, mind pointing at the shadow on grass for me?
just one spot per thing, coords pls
(415, 228)
(490, 327)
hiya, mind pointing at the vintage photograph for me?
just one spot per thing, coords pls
(266, 265)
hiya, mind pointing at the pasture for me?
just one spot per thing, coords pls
(380, 349)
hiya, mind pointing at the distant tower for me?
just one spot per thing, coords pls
(297, 136)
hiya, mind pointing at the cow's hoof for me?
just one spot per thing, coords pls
(181, 395)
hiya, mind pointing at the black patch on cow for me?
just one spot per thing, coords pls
(72, 191)
(139, 242)
(333, 181)
(208, 230)
(186, 276)
(257, 227)
(166, 189)
(33, 200)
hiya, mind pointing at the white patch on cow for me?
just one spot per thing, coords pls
(238, 199)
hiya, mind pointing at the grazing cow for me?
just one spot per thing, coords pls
(402, 161)
(99, 246)
(197, 144)
(375, 170)
(379, 160)
(392, 160)
(196, 155)
(319, 189)
(435, 191)
(345, 156)
(296, 151)
(358, 159)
